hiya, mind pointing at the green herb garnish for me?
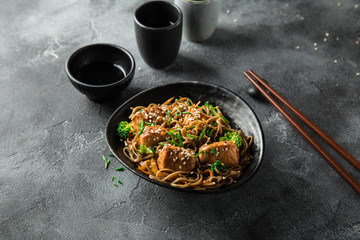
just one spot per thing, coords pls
(191, 136)
(107, 161)
(213, 150)
(196, 155)
(224, 118)
(178, 110)
(218, 166)
(119, 169)
(202, 134)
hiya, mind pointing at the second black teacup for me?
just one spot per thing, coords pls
(158, 30)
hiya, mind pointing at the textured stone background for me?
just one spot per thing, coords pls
(53, 184)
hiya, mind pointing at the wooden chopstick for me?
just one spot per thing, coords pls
(312, 125)
(255, 80)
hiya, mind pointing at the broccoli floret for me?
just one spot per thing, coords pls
(124, 129)
(145, 150)
(219, 166)
(213, 110)
(232, 136)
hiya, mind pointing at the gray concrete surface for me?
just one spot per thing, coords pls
(53, 184)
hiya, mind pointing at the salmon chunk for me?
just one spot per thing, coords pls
(194, 114)
(152, 135)
(225, 151)
(176, 158)
(149, 114)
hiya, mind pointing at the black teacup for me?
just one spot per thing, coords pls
(158, 30)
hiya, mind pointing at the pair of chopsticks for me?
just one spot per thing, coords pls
(261, 84)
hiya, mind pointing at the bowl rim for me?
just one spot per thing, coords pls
(120, 81)
(166, 185)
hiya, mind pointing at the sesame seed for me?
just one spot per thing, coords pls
(228, 11)
(315, 48)
(357, 42)
(337, 38)
(235, 20)
(335, 61)
(297, 47)
(184, 163)
(356, 6)
(357, 74)
(325, 39)
(179, 167)
(327, 34)
(338, 4)
(224, 177)
(315, 44)
(139, 68)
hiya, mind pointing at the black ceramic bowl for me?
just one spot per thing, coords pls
(100, 71)
(236, 110)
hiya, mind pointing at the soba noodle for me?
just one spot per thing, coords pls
(204, 125)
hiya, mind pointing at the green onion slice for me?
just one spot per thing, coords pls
(196, 155)
(213, 150)
(224, 118)
(202, 134)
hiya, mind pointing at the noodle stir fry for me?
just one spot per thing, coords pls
(185, 144)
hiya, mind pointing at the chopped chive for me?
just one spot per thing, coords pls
(180, 138)
(191, 136)
(117, 180)
(214, 124)
(169, 120)
(141, 125)
(105, 141)
(112, 179)
(175, 143)
(107, 161)
(141, 130)
(176, 99)
(176, 114)
(224, 118)
(196, 155)
(154, 152)
(202, 134)
(213, 150)
(119, 169)
(210, 132)
(168, 112)
(207, 154)
(178, 110)
(192, 127)
(188, 102)
(150, 124)
(162, 144)
(115, 184)
(186, 113)
(111, 155)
